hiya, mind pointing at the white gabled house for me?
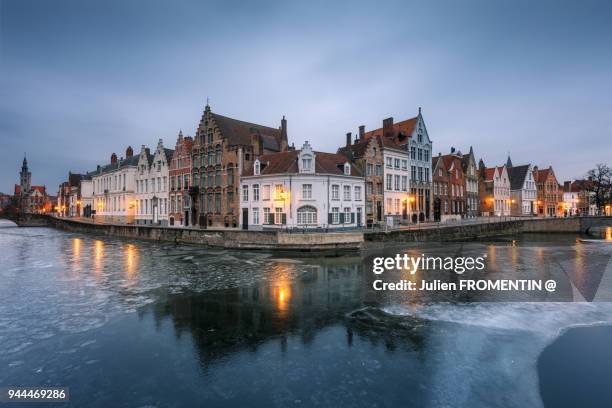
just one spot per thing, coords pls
(302, 189)
(152, 189)
(523, 191)
(494, 185)
(113, 189)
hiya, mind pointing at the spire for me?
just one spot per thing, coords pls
(180, 135)
(207, 107)
(24, 165)
(509, 161)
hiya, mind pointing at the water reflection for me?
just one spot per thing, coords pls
(131, 263)
(98, 257)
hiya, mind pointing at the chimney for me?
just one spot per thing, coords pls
(129, 152)
(387, 126)
(284, 139)
(361, 132)
(348, 139)
(113, 158)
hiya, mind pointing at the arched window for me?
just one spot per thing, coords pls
(307, 215)
(218, 155)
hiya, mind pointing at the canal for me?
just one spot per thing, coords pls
(139, 324)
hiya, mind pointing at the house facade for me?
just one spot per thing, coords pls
(152, 191)
(179, 174)
(411, 136)
(222, 148)
(86, 206)
(114, 187)
(396, 196)
(550, 196)
(470, 171)
(523, 192)
(367, 155)
(449, 187)
(494, 187)
(578, 199)
(302, 189)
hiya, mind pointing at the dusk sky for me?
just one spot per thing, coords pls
(82, 79)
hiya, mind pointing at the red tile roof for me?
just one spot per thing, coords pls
(405, 127)
(239, 132)
(286, 162)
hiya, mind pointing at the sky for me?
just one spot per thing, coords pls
(80, 80)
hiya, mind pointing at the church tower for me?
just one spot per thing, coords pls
(25, 177)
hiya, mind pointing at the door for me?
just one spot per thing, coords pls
(245, 218)
(186, 218)
(378, 211)
(359, 216)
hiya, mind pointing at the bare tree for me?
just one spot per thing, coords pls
(600, 185)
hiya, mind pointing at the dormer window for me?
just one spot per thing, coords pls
(256, 168)
(306, 159)
(347, 169)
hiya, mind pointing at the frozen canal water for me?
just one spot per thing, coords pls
(135, 324)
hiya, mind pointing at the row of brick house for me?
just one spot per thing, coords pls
(237, 174)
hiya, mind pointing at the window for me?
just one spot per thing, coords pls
(335, 215)
(420, 154)
(278, 189)
(404, 183)
(397, 163)
(335, 192)
(347, 193)
(389, 205)
(420, 137)
(420, 174)
(379, 171)
(306, 163)
(358, 193)
(369, 169)
(278, 215)
(397, 205)
(397, 182)
(230, 175)
(255, 192)
(266, 213)
(389, 162)
(413, 153)
(412, 172)
(404, 164)
(185, 182)
(347, 215)
(426, 154)
(389, 181)
(307, 215)
(369, 188)
(347, 169)
(245, 193)
(255, 216)
(257, 168)
(266, 192)
(306, 192)
(426, 174)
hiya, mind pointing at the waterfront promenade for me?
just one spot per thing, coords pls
(317, 241)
